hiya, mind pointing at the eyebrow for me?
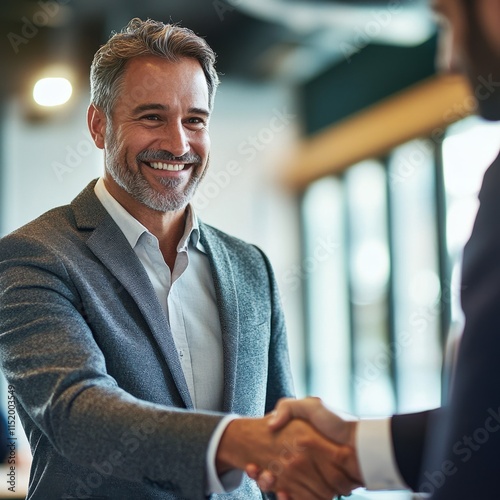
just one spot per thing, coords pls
(162, 107)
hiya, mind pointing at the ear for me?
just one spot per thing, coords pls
(96, 121)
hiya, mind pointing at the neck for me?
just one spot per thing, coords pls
(168, 227)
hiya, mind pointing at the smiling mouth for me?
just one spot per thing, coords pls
(170, 167)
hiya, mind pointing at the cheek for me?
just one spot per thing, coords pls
(201, 143)
(132, 142)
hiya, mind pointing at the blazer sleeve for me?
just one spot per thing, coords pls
(49, 355)
(279, 380)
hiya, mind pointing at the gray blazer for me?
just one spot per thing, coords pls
(100, 390)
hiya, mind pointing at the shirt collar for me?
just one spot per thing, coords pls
(133, 229)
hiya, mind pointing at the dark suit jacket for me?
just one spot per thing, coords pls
(456, 450)
(100, 390)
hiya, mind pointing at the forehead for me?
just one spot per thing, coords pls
(151, 76)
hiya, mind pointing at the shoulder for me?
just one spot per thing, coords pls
(43, 243)
(45, 227)
(62, 225)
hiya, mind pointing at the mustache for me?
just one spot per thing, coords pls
(149, 155)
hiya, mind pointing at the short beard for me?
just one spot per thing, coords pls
(135, 184)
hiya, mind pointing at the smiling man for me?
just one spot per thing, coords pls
(129, 330)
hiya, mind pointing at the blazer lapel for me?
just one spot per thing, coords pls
(111, 247)
(227, 304)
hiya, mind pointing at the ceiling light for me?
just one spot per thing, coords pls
(52, 91)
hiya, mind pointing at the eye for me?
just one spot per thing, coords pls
(196, 123)
(150, 117)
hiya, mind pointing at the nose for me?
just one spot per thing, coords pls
(174, 139)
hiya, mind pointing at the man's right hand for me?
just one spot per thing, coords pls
(303, 464)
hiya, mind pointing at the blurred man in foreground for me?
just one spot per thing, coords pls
(452, 453)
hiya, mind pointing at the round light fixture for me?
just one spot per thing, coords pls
(52, 91)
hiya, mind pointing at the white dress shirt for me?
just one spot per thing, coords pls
(376, 455)
(187, 297)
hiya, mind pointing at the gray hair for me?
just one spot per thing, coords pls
(140, 38)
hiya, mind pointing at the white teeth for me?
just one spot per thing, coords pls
(167, 166)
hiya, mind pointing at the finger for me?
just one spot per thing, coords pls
(266, 481)
(300, 491)
(345, 460)
(282, 496)
(340, 471)
(289, 408)
(336, 484)
(282, 414)
(253, 471)
(306, 488)
(303, 479)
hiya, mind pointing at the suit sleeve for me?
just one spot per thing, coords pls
(49, 355)
(409, 435)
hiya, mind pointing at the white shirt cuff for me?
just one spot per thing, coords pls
(228, 481)
(376, 455)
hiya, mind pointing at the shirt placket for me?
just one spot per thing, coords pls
(175, 309)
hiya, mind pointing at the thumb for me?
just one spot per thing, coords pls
(282, 414)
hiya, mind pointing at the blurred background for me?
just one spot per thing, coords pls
(336, 147)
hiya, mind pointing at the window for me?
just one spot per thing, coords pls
(417, 304)
(381, 300)
(365, 188)
(327, 318)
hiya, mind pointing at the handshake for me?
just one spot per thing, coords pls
(300, 451)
